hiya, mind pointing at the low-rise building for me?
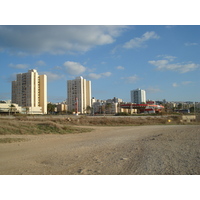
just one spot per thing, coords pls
(109, 106)
(7, 107)
(61, 108)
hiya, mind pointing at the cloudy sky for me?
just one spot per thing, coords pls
(163, 60)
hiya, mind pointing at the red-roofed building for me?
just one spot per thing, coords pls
(143, 108)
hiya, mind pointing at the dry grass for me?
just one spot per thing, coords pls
(118, 121)
(61, 125)
(10, 140)
(128, 121)
(35, 127)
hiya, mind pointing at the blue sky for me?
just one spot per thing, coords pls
(163, 60)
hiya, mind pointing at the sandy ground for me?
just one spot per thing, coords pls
(130, 150)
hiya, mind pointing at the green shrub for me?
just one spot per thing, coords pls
(122, 114)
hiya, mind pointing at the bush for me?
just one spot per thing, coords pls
(122, 114)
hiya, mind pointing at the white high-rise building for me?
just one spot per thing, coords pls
(78, 95)
(30, 91)
(138, 96)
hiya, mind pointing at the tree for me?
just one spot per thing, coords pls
(168, 107)
(108, 107)
(103, 109)
(12, 108)
(180, 106)
(88, 109)
(27, 110)
(192, 110)
(51, 108)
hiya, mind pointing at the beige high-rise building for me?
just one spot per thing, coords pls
(78, 95)
(30, 91)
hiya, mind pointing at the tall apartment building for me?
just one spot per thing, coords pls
(78, 94)
(30, 91)
(138, 96)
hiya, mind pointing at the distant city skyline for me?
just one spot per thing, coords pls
(162, 60)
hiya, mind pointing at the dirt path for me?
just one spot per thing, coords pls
(107, 150)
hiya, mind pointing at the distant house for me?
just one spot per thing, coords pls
(182, 111)
(6, 107)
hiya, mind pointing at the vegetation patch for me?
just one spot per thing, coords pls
(122, 114)
(127, 120)
(56, 128)
(10, 140)
(35, 127)
(48, 128)
(63, 125)
(118, 121)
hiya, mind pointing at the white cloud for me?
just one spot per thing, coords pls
(166, 65)
(19, 66)
(58, 68)
(186, 82)
(168, 57)
(120, 68)
(175, 85)
(153, 90)
(114, 50)
(94, 76)
(106, 74)
(191, 44)
(21, 54)
(98, 76)
(159, 63)
(182, 68)
(56, 39)
(40, 63)
(131, 79)
(74, 68)
(140, 42)
(53, 76)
